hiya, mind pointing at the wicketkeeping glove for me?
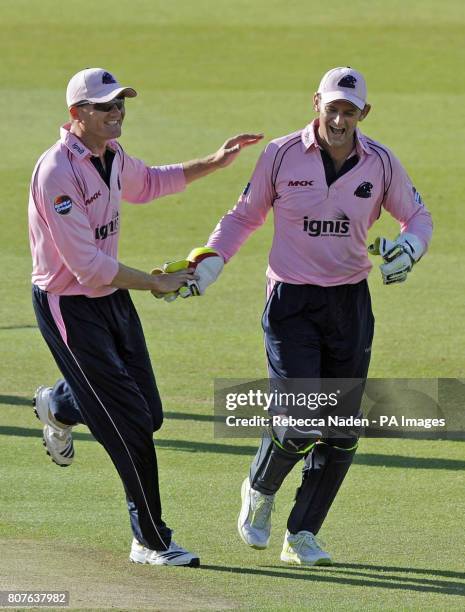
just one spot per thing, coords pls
(398, 256)
(206, 263)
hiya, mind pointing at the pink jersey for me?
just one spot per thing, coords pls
(74, 218)
(320, 232)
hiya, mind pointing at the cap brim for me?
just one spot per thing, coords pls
(127, 92)
(332, 96)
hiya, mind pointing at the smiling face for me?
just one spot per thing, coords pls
(96, 127)
(337, 123)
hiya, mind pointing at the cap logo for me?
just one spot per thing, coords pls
(348, 81)
(107, 78)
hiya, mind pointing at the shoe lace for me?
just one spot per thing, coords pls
(61, 434)
(174, 547)
(261, 513)
(307, 540)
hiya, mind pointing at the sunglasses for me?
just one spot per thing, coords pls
(105, 107)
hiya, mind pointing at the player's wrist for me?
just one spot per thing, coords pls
(156, 283)
(198, 168)
(411, 245)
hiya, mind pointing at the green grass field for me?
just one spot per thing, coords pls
(205, 71)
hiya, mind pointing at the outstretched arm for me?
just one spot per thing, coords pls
(226, 154)
(130, 278)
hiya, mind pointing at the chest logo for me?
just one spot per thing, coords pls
(96, 195)
(364, 190)
(339, 226)
(300, 183)
(108, 229)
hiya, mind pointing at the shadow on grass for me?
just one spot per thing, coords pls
(18, 326)
(187, 416)
(401, 461)
(406, 570)
(370, 578)
(16, 400)
(178, 445)
(26, 432)
(369, 459)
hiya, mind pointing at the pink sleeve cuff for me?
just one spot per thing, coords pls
(100, 273)
(171, 177)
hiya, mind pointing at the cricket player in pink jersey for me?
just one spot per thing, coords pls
(326, 185)
(82, 303)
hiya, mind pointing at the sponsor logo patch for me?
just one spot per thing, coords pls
(417, 197)
(63, 204)
(307, 137)
(364, 190)
(77, 148)
(339, 226)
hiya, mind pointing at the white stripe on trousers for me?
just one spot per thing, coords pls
(122, 440)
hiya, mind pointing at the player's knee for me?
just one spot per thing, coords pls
(348, 444)
(295, 446)
(338, 450)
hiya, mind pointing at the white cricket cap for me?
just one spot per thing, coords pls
(343, 83)
(95, 85)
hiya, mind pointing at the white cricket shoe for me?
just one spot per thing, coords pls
(57, 437)
(254, 522)
(302, 548)
(175, 555)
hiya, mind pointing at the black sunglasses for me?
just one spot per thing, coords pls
(105, 107)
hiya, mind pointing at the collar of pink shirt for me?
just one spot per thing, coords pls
(76, 146)
(309, 139)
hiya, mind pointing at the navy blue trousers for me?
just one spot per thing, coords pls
(313, 332)
(109, 385)
(318, 332)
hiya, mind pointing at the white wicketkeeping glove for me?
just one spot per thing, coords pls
(206, 263)
(399, 256)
